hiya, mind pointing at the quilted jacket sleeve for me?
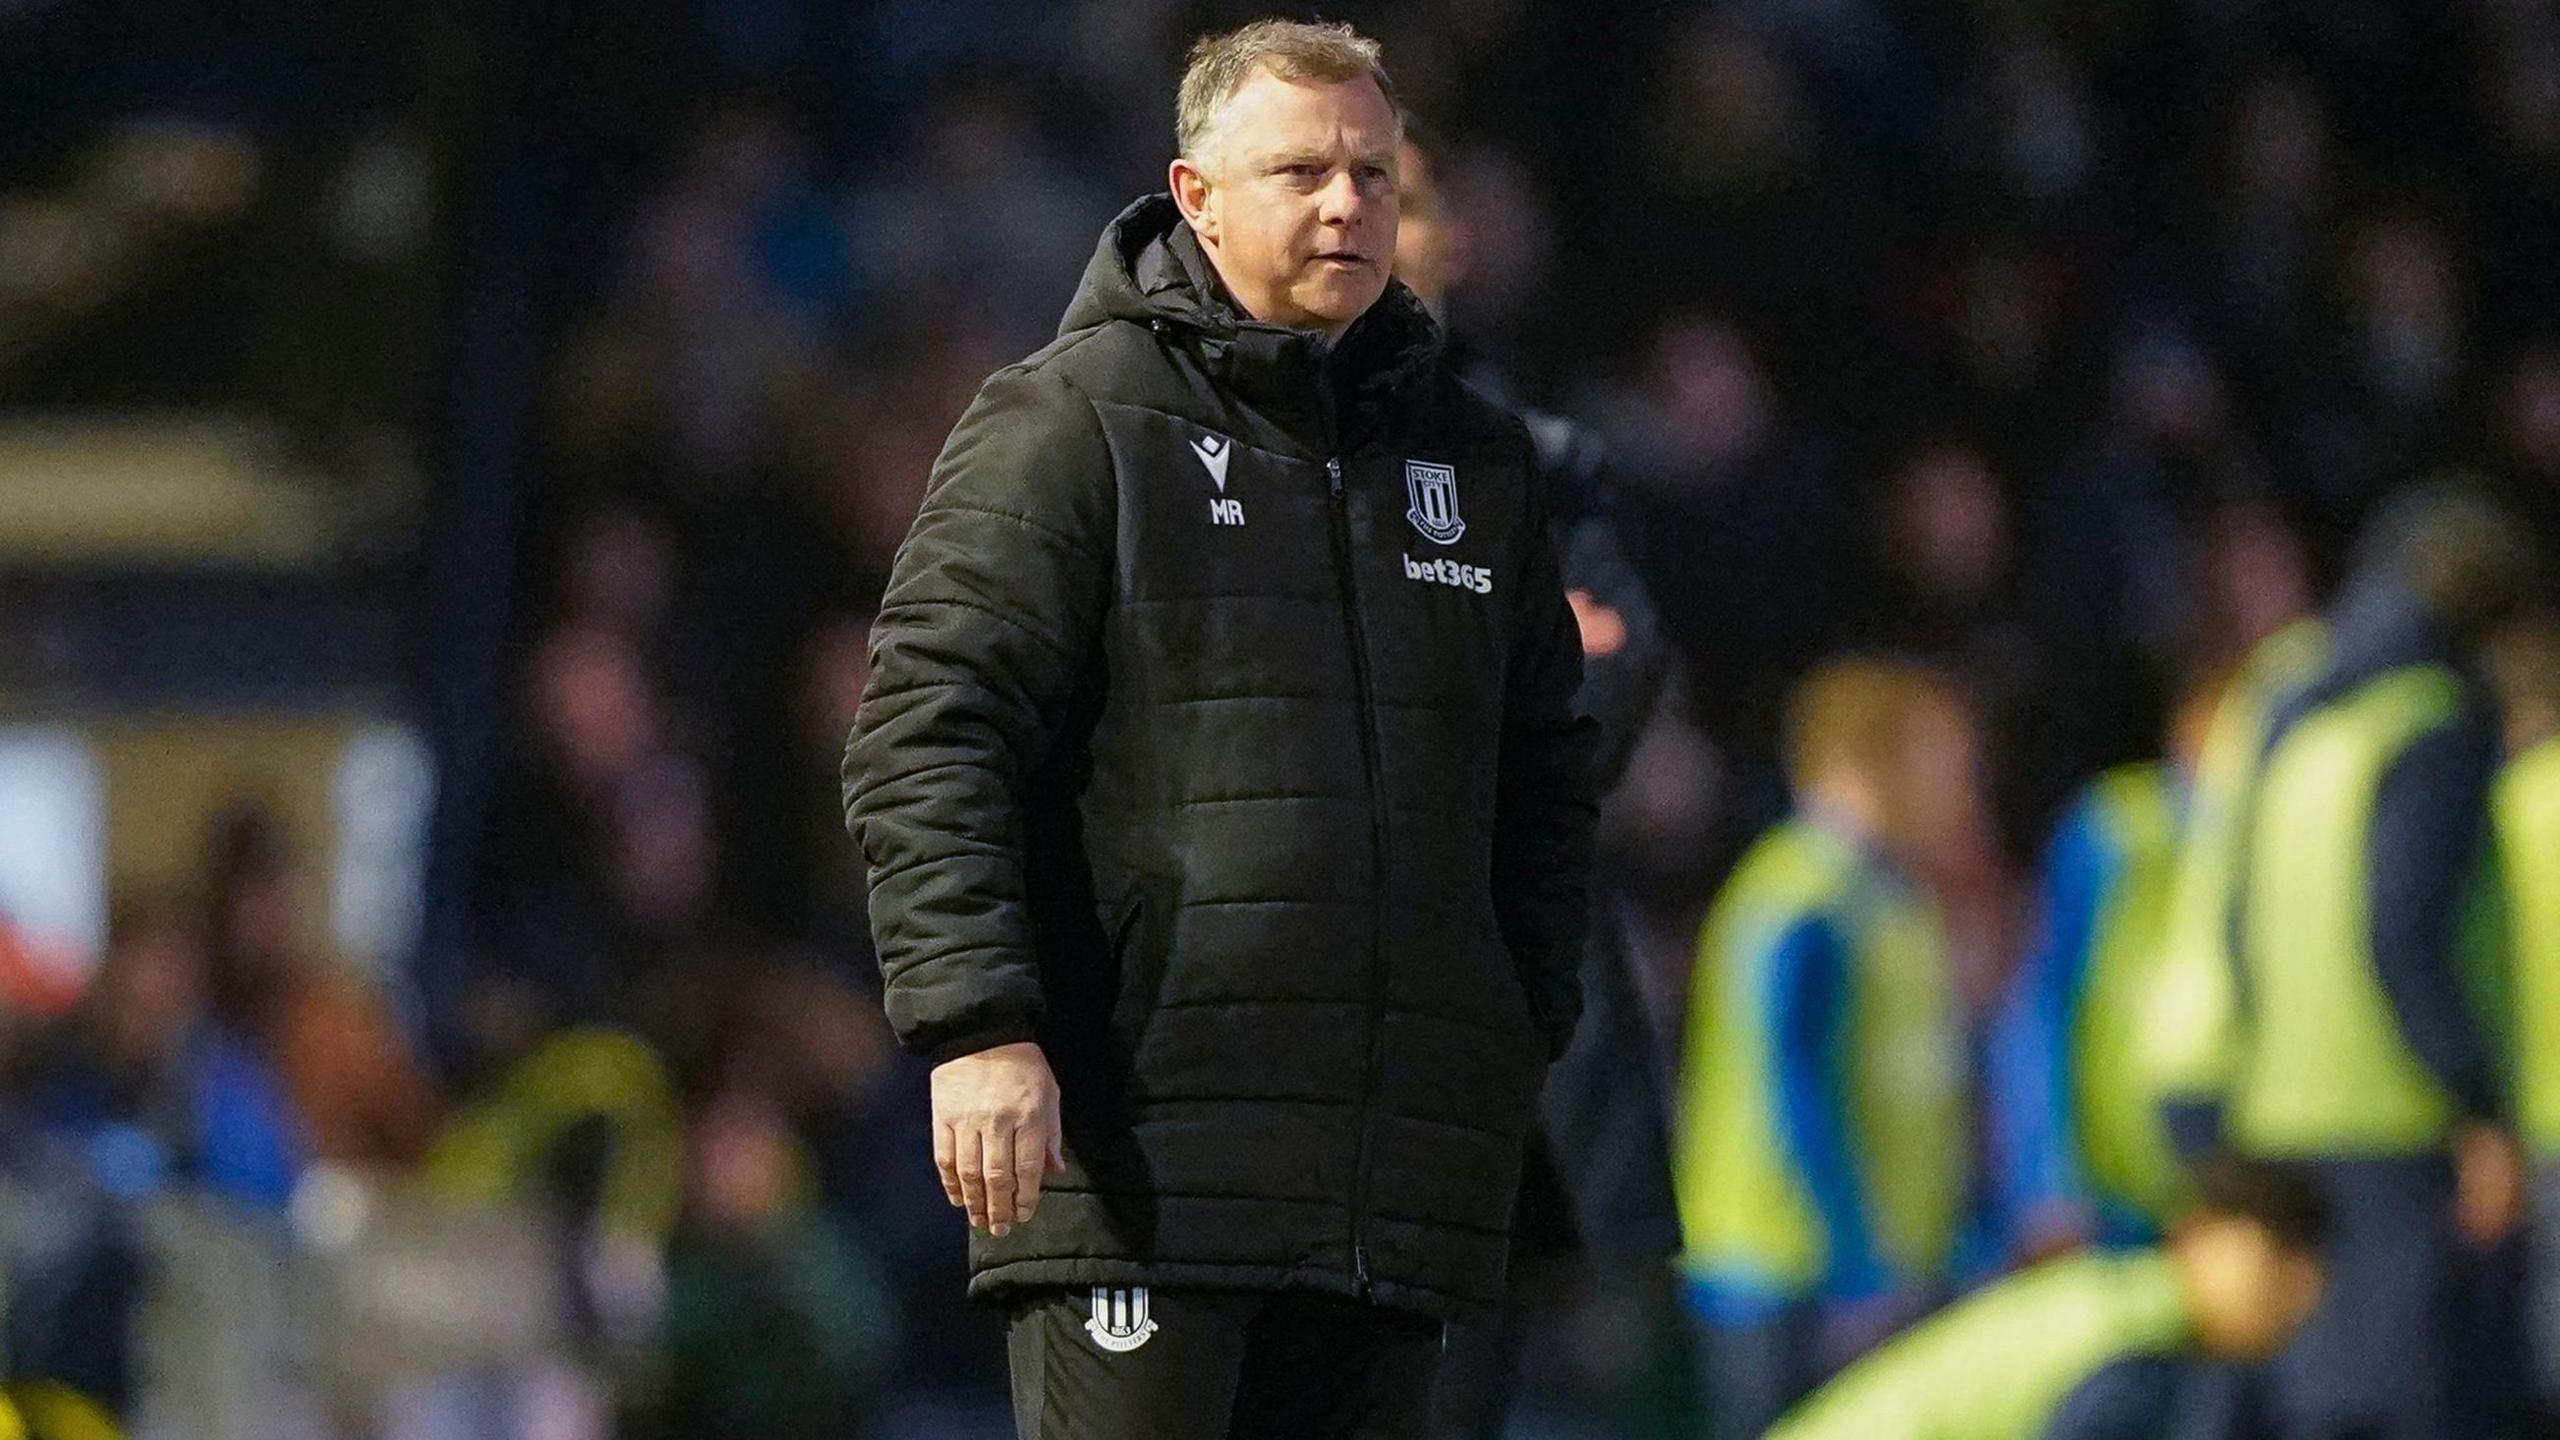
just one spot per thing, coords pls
(1544, 811)
(990, 620)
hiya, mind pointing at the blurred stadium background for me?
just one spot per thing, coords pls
(448, 454)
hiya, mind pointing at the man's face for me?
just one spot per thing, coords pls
(1294, 199)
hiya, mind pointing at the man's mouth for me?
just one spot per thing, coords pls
(1343, 257)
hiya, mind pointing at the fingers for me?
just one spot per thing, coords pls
(946, 1162)
(1001, 1209)
(973, 1179)
(1030, 1166)
(1057, 1148)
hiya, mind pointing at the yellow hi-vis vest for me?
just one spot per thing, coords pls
(2187, 1041)
(2529, 844)
(42, 1410)
(2325, 1070)
(495, 1152)
(1746, 1212)
(2000, 1363)
(2123, 1145)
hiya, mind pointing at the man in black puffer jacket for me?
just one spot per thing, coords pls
(1224, 799)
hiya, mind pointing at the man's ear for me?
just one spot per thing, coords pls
(1190, 187)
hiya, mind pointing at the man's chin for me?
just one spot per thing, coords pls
(1334, 306)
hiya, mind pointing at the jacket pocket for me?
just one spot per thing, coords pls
(1138, 944)
(1511, 992)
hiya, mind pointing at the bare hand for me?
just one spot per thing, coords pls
(996, 1134)
(2488, 1184)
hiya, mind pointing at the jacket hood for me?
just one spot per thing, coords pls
(1149, 270)
(2435, 572)
(2380, 624)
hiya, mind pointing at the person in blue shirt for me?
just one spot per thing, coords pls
(2079, 1151)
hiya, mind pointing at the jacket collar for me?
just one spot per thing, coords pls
(1149, 269)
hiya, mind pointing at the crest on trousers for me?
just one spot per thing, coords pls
(1431, 496)
(1120, 1323)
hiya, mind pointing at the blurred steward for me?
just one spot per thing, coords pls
(1822, 1134)
(2528, 810)
(2097, 1345)
(2357, 1025)
(2080, 1151)
(2183, 1047)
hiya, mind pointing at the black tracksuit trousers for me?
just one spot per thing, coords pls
(1132, 1363)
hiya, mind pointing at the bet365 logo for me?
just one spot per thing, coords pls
(1450, 572)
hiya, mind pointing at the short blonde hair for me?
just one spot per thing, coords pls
(1855, 713)
(1291, 49)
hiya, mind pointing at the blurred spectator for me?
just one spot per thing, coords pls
(1742, 519)
(596, 730)
(118, 1060)
(2131, 532)
(2276, 195)
(305, 1066)
(1954, 596)
(34, 987)
(780, 1320)
(977, 152)
(2525, 436)
(736, 276)
(2375, 402)
(106, 1100)
(826, 888)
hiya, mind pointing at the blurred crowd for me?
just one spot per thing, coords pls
(2061, 349)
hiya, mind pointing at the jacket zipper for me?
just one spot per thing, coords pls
(1345, 562)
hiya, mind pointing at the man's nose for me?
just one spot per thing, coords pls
(1340, 202)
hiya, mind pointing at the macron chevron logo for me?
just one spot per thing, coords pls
(1214, 452)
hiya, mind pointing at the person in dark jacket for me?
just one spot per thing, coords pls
(1596, 1188)
(1224, 800)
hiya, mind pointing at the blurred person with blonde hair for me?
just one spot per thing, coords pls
(1822, 1143)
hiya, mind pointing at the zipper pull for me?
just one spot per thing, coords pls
(1360, 1271)
(1333, 476)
